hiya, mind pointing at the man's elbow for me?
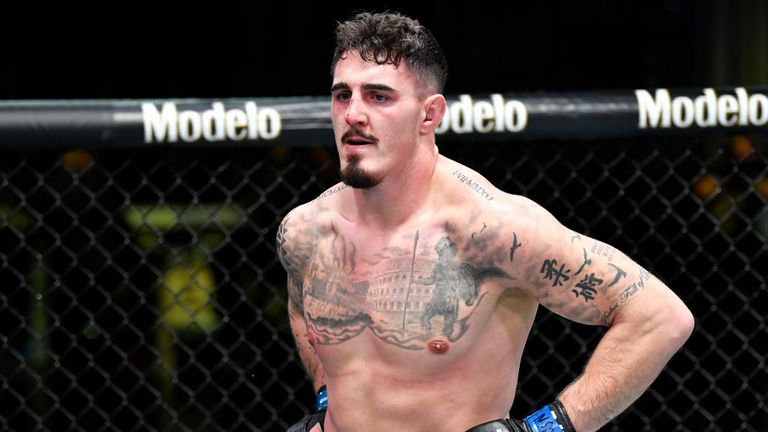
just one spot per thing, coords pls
(680, 324)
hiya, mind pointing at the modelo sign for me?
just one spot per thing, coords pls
(170, 125)
(482, 116)
(706, 110)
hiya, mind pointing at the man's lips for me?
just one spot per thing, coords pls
(353, 141)
(357, 138)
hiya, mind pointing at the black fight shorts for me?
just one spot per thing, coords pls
(305, 424)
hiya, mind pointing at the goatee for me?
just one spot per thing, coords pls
(354, 176)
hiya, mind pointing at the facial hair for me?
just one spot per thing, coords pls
(354, 176)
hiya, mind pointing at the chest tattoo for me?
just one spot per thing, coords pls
(419, 294)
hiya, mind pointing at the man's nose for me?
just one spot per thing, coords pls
(356, 112)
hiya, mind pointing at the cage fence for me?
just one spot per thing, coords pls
(140, 289)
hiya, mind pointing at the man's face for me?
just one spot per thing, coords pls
(376, 110)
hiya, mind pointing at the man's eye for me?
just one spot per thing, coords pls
(380, 97)
(342, 96)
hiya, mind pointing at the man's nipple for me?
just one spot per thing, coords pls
(437, 346)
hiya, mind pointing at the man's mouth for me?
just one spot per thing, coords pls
(357, 141)
(357, 138)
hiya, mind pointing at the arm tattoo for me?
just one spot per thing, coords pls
(296, 294)
(293, 246)
(587, 287)
(551, 272)
(644, 275)
(603, 249)
(586, 262)
(619, 274)
(626, 295)
(280, 245)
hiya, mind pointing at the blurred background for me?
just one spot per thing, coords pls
(228, 48)
(139, 287)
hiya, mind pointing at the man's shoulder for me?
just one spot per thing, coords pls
(468, 185)
(463, 182)
(322, 202)
(330, 194)
(317, 211)
(521, 206)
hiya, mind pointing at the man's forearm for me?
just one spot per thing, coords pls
(625, 363)
(313, 366)
(307, 353)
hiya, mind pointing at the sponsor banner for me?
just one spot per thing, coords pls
(706, 110)
(306, 120)
(170, 125)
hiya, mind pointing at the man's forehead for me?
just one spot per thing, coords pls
(353, 70)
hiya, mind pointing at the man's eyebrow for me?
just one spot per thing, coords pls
(368, 86)
(375, 86)
(339, 86)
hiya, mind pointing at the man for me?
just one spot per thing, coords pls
(411, 294)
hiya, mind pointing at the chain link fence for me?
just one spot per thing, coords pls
(140, 289)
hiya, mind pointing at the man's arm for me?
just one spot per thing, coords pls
(299, 329)
(643, 335)
(588, 281)
(294, 243)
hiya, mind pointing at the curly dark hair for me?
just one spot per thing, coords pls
(387, 38)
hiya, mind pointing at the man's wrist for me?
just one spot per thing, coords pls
(321, 401)
(550, 418)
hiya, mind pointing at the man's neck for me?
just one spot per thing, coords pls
(398, 199)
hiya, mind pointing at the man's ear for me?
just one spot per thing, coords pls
(434, 109)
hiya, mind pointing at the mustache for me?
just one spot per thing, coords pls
(358, 134)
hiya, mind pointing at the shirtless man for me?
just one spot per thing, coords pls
(413, 284)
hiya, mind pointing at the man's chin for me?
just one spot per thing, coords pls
(357, 178)
(359, 182)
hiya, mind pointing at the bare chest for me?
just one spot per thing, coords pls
(429, 284)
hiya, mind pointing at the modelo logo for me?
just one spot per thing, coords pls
(215, 124)
(706, 110)
(498, 115)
